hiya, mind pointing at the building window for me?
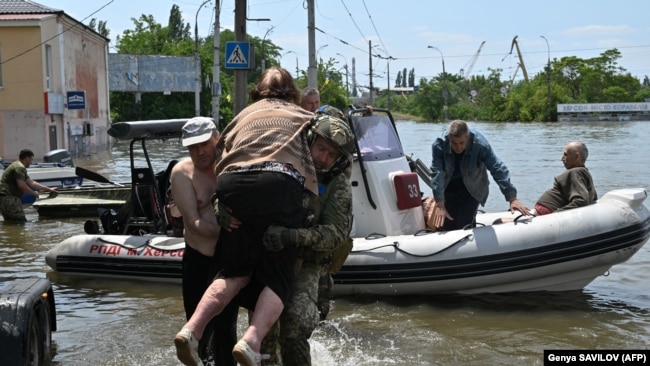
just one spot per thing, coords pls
(48, 67)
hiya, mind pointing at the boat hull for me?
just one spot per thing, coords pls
(83, 201)
(52, 177)
(157, 258)
(560, 252)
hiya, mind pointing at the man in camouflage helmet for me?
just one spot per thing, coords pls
(326, 282)
(332, 146)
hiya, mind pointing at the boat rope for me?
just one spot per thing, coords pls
(145, 244)
(396, 245)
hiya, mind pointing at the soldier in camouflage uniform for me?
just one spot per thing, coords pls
(326, 282)
(14, 183)
(329, 235)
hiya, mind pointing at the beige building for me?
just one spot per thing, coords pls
(53, 82)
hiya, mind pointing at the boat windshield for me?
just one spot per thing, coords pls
(376, 137)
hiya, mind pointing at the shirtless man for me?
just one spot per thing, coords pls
(193, 182)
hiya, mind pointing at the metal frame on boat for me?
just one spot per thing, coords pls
(395, 254)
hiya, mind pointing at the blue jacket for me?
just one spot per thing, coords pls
(478, 158)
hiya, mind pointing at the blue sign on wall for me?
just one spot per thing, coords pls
(237, 55)
(76, 99)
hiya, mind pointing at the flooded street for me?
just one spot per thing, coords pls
(118, 322)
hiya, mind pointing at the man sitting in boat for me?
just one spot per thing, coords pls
(15, 182)
(461, 159)
(574, 187)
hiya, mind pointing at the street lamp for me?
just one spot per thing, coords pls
(347, 87)
(264, 40)
(445, 92)
(320, 48)
(548, 81)
(197, 67)
(288, 52)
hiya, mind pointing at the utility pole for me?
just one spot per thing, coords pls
(312, 70)
(445, 92)
(370, 68)
(197, 64)
(354, 78)
(548, 81)
(347, 86)
(388, 79)
(241, 99)
(216, 82)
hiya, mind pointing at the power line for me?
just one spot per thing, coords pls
(353, 21)
(376, 31)
(56, 35)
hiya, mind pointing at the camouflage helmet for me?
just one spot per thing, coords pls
(334, 130)
(330, 111)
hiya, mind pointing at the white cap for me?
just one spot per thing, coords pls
(197, 130)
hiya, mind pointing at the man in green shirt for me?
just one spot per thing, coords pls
(15, 182)
(574, 187)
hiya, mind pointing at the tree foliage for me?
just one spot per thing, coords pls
(573, 80)
(99, 27)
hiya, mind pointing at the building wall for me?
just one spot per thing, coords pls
(78, 63)
(22, 75)
(21, 114)
(85, 64)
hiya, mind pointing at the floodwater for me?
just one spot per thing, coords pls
(116, 322)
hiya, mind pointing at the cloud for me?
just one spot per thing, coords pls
(598, 30)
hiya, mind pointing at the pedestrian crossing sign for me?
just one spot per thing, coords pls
(237, 55)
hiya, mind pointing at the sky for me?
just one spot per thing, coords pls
(403, 30)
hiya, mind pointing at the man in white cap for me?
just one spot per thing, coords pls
(193, 182)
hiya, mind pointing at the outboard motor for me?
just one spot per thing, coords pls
(61, 157)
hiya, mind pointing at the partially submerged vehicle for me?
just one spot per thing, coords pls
(394, 253)
(28, 318)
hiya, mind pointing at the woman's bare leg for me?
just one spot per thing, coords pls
(267, 311)
(219, 294)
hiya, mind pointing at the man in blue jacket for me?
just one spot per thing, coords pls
(461, 159)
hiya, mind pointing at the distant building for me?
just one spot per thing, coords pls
(53, 82)
(603, 112)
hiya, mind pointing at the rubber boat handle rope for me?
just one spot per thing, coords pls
(145, 244)
(395, 245)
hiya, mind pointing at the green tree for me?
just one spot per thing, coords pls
(177, 30)
(99, 27)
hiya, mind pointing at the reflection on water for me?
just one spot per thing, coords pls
(119, 322)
